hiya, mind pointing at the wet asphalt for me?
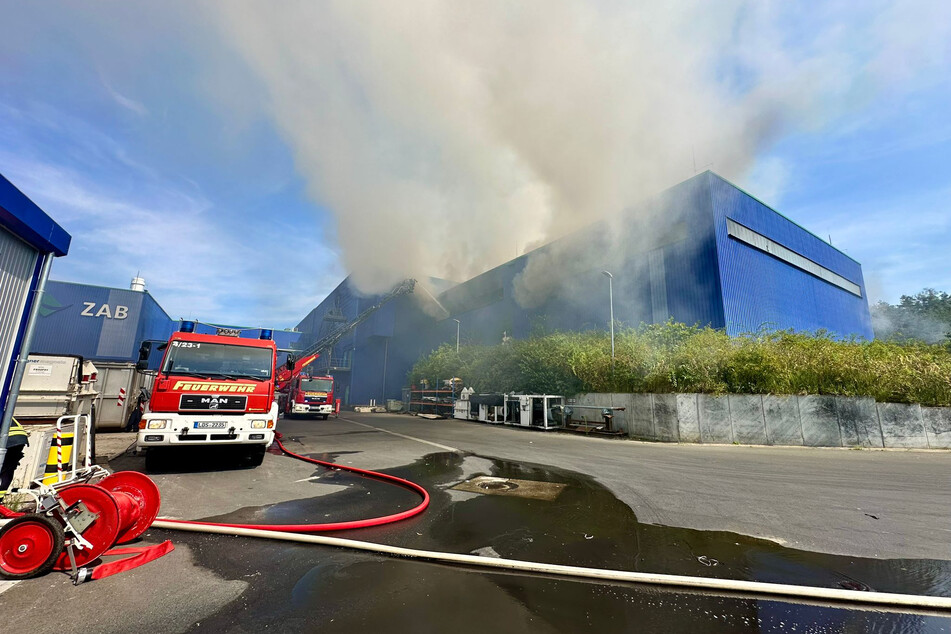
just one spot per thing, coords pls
(226, 584)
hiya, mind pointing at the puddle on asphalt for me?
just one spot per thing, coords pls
(582, 525)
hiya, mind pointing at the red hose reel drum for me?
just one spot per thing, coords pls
(102, 533)
(126, 502)
(138, 499)
(29, 546)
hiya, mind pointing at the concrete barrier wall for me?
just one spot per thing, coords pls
(755, 419)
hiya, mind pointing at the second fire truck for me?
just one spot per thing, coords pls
(310, 396)
(302, 395)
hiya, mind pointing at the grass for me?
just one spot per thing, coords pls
(674, 357)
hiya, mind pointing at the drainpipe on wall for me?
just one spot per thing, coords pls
(386, 351)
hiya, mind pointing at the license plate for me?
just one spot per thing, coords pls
(210, 424)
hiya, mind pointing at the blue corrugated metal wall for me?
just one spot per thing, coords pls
(670, 257)
(664, 263)
(109, 324)
(97, 322)
(761, 291)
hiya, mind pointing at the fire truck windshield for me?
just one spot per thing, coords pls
(316, 385)
(218, 360)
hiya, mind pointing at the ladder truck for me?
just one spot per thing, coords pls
(301, 394)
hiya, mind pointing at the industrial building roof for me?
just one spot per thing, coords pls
(25, 219)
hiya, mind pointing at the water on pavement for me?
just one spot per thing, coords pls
(300, 588)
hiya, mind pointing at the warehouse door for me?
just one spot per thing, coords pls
(17, 263)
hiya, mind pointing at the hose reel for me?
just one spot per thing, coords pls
(73, 526)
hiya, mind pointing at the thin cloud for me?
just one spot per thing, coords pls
(127, 103)
(195, 265)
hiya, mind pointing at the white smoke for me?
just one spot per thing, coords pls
(442, 135)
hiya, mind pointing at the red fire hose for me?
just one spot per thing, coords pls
(334, 526)
(125, 505)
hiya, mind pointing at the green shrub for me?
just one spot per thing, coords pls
(673, 357)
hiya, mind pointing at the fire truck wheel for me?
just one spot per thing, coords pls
(29, 546)
(255, 455)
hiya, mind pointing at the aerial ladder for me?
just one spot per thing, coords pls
(308, 355)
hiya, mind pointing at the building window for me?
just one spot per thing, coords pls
(760, 242)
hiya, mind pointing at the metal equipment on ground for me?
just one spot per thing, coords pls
(538, 411)
(71, 524)
(588, 424)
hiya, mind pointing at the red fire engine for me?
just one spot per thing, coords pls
(303, 395)
(210, 390)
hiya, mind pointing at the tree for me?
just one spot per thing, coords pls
(925, 316)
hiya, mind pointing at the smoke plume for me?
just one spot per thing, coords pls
(446, 136)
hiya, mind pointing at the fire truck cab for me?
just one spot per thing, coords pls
(211, 390)
(310, 395)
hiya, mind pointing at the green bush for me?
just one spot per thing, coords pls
(673, 357)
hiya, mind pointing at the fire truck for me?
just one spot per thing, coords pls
(210, 390)
(301, 394)
(307, 395)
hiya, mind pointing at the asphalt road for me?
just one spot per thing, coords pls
(866, 503)
(877, 519)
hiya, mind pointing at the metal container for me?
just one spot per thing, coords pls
(119, 385)
(55, 386)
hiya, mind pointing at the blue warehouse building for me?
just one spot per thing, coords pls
(97, 322)
(107, 324)
(29, 241)
(703, 252)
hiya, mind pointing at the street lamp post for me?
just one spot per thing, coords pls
(611, 300)
(457, 335)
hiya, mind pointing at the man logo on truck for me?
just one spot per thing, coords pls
(191, 386)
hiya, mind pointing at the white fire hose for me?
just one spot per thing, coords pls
(883, 600)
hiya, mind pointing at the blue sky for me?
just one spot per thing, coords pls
(123, 143)
(880, 188)
(232, 157)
